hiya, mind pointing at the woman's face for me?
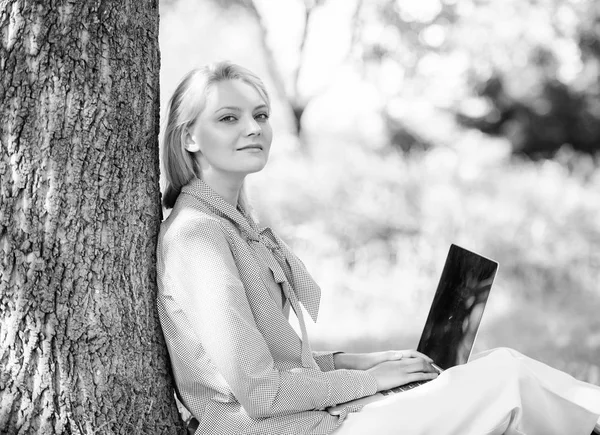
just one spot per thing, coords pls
(232, 136)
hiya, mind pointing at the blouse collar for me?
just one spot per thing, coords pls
(219, 206)
(307, 291)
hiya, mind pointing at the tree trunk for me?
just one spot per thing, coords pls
(81, 350)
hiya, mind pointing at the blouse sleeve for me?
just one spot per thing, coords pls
(204, 281)
(325, 360)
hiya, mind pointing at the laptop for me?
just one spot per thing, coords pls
(454, 316)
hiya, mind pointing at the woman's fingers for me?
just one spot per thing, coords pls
(390, 374)
(420, 376)
(413, 353)
(417, 364)
(394, 355)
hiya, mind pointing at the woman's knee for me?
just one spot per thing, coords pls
(504, 365)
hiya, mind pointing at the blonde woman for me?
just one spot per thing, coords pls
(228, 285)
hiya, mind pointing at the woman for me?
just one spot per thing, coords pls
(227, 286)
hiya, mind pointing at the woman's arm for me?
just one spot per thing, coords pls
(365, 361)
(204, 281)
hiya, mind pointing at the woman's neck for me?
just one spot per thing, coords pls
(227, 187)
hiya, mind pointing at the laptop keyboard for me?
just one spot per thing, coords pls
(401, 388)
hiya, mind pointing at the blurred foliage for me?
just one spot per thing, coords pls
(528, 70)
(531, 68)
(396, 124)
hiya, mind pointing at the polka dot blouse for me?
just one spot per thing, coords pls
(226, 287)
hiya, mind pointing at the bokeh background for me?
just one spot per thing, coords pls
(402, 126)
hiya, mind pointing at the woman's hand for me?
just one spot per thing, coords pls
(365, 361)
(390, 374)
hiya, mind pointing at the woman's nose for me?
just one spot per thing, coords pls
(253, 127)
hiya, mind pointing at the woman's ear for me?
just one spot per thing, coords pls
(189, 142)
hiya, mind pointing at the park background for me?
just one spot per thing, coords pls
(404, 126)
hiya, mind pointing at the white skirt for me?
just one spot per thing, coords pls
(499, 392)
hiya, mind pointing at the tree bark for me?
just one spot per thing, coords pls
(81, 350)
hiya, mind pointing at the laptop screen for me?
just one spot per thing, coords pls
(457, 307)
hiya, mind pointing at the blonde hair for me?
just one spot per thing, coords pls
(184, 107)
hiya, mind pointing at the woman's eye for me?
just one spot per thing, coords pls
(228, 118)
(262, 116)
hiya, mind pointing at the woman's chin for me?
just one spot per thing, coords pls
(253, 167)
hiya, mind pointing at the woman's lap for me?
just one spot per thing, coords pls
(499, 392)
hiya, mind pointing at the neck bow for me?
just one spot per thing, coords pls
(288, 270)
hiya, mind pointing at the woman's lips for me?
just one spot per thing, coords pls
(251, 147)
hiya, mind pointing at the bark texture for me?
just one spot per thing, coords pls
(81, 350)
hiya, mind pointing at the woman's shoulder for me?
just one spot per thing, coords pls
(189, 223)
